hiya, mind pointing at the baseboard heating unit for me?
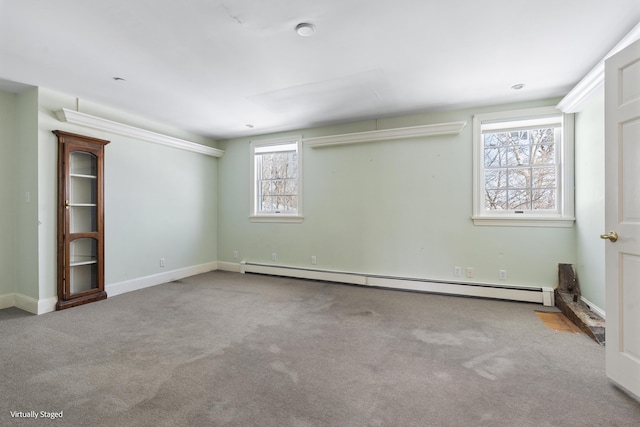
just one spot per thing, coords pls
(536, 294)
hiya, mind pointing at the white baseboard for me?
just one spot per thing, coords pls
(47, 305)
(600, 312)
(26, 303)
(29, 304)
(7, 300)
(114, 289)
(542, 295)
(229, 266)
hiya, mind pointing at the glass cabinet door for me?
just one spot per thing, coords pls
(80, 220)
(83, 191)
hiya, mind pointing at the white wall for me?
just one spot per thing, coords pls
(397, 208)
(8, 184)
(590, 204)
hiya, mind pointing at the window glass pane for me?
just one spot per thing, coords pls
(276, 178)
(491, 140)
(495, 178)
(513, 176)
(494, 157)
(544, 154)
(495, 200)
(544, 178)
(544, 199)
(519, 200)
(518, 155)
(519, 178)
(292, 202)
(266, 203)
(291, 187)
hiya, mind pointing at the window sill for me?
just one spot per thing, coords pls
(277, 218)
(513, 221)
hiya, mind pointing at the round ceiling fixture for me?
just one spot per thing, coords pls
(518, 86)
(305, 29)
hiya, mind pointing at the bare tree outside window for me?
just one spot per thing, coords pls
(521, 169)
(277, 181)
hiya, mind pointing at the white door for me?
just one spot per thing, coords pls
(622, 217)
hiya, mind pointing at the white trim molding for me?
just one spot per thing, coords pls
(564, 216)
(536, 294)
(573, 101)
(47, 305)
(600, 312)
(260, 146)
(87, 120)
(7, 300)
(138, 283)
(452, 128)
(28, 304)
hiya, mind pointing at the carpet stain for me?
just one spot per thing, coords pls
(222, 412)
(280, 367)
(365, 313)
(449, 339)
(274, 349)
(443, 376)
(558, 322)
(492, 366)
(437, 338)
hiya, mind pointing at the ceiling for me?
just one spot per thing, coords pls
(228, 68)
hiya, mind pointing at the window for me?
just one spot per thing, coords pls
(523, 168)
(276, 180)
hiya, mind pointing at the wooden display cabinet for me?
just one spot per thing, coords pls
(80, 219)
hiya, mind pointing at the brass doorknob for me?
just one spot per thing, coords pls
(612, 236)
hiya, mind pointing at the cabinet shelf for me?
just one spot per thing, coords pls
(79, 263)
(80, 175)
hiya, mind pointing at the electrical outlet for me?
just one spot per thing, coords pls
(314, 260)
(469, 272)
(457, 271)
(503, 274)
(161, 262)
(235, 254)
(274, 256)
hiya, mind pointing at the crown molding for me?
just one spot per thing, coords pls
(452, 128)
(574, 100)
(87, 120)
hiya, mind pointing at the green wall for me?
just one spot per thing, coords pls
(590, 204)
(27, 213)
(159, 201)
(398, 208)
(8, 188)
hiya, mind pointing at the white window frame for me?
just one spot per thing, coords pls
(254, 214)
(564, 217)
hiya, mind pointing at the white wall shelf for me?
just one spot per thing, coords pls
(87, 120)
(452, 128)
